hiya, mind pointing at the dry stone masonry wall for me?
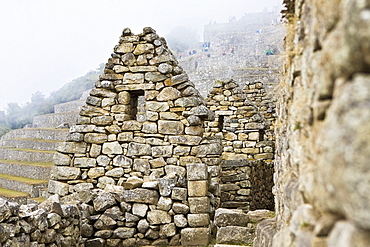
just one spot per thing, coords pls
(323, 132)
(243, 119)
(136, 158)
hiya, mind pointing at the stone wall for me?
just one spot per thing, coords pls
(47, 224)
(322, 169)
(243, 119)
(137, 157)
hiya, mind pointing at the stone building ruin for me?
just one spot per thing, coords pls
(243, 120)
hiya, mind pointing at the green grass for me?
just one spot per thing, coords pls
(12, 193)
(30, 181)
(19, 162)
(29, 150)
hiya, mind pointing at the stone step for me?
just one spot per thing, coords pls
(17, 196)
(26, 169)
(55, 119)
(22, 184)
(29, 143)
(10, 153)
(37, 133)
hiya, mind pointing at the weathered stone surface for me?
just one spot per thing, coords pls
(140, 196)
(84, 162)
(138, 149)
(165, 186)
(170, 127)
(112, 148)
(157, 106)
(180, 220)
(104, 201)
(195, 236)
(156, 217)
(96, 172)
(185, 140)
(133, 182)
(162, 151)
(234, 235)
(65, 173)
(139, 209)
(123, 232)
(230, 217)
(180, 208)
(198, 188)
(198, 220)
(199, 205)
(168, 93)
(197, 171)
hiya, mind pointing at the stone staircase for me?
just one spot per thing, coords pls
(26, 155)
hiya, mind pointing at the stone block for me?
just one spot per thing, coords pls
(138, 149)
(72, 147)
(180, 220)
(179, 194)
(197, 171)
(60, 159)
(187, 102)
(125, 137)
(195, 236)
(139, 195)
(235, 235)
(181, 150)
(170, 127)
(199, 205)
(198, 220)
(168, 93)
(156, 217)
(95, 150)
(132, 183)
(115, 172)
(131, 125)
(139, 209)
(112, 148)
(64, 173)
(59, 188)
(143, 49)
(133, 78)
(158, 162)
(84, 162)
(162, 151)
(174, 171)
(168, 116)
(157, 106)
(123, 232)
(207, 149)
(149, 127)
(141, 165)
(185, 140)
(164, 203)
(230, 217)
(180, 208)
(198, 188)
(165, 186)
(119, 160)
(167, 230)
(96, 172)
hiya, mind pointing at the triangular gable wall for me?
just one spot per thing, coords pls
(139, 137)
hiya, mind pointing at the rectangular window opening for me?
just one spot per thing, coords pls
(137, 103)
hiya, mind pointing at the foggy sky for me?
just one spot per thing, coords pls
(45, 44)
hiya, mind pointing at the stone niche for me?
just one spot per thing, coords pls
(243, 120)
(136, 160)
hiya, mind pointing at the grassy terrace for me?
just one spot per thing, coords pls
(30, 181)
(12, 193)
(36, 140)
(28, 150)
(30, 163)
